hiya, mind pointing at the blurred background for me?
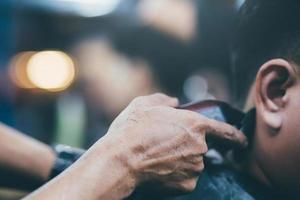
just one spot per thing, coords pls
(68, 67)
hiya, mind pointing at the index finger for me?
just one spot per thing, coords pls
(220, 131)
(225, 132)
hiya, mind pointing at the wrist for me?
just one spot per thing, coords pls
(129, 151)
(109, 159)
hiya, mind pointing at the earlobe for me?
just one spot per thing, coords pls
(273, 120)
(272, 82)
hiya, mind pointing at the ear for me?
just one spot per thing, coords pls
(272, 83)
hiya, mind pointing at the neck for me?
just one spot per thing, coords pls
(250, 162)
(254, 168)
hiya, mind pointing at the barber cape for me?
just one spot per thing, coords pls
(218, 182)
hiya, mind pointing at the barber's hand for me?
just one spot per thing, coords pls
(164, 145)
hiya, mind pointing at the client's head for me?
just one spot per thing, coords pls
(267, 53)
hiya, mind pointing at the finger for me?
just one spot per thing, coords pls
(225, 133)
(188, 185)
(159, 99)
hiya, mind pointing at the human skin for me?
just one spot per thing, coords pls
(25, 163)
(274, 155)
(149, 141)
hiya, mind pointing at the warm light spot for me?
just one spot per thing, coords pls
(51, 70)
(17, 69)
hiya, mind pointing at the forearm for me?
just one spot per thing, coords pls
(99, 174)
(23, 157)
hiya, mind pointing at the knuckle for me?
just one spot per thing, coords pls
(204, 148)
(200, 148)
(189, 186)
(207, 126)
(158, 95)
(199, 167)
(230, 134)
(158, 110)
(138, 99)
(197, 125)
(150, 99)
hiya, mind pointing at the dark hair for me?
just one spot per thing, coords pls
(266, 29)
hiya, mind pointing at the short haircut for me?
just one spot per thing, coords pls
(266, 29)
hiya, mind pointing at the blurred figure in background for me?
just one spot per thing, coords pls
(110, 81)
(116, 68)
